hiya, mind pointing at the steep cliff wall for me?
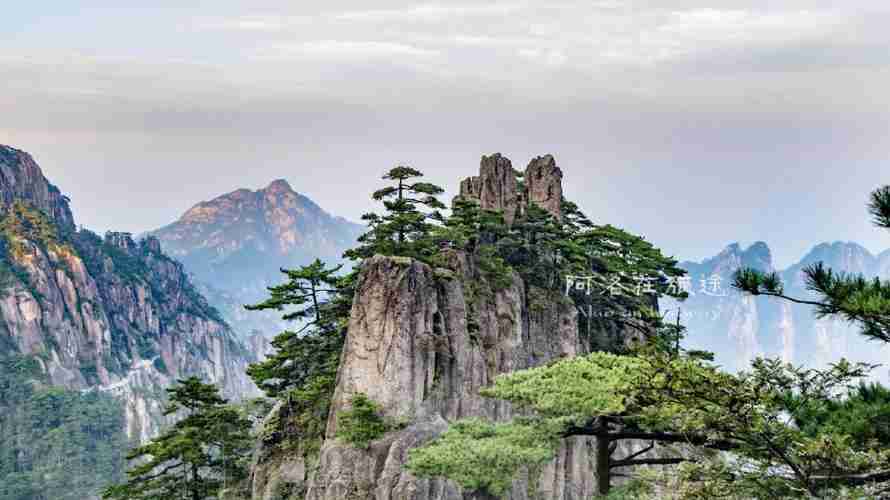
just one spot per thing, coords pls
(21, 179)
(421, 342)
(109, 315)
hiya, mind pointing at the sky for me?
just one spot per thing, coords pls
(693, 123)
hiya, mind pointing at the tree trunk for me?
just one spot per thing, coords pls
(196, 493)
(603, 474)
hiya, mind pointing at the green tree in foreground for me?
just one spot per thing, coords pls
(197, 457)
(302, 373)
(669, 400)
(404, 229)
(306, 297)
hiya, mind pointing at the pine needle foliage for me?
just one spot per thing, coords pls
(197, 457)
(410, 209)
(673, 399)
(302, 372)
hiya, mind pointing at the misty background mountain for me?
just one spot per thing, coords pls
(739, 327)
(236, 244)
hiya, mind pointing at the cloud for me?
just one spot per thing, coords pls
(430, 12)
(549, 57)
(345, 49)
(255, 23)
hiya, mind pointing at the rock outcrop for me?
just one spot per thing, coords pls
(543, 182)
(422, 342)
(236, 244)
(498, 186)
(495, 187)
(106, 314)
(21, 179)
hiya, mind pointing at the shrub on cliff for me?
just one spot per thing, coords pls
(361, 423)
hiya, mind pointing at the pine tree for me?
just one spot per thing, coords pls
(665, 399)
(307, 297)
(302, 372)
(404, 229)
(469, 226)
(197, 457)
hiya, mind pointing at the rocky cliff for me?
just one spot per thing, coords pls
(21, 179)
(235, 245)
(739, 328)
(103, 314)
(422, 342)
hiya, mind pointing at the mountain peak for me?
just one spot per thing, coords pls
(279, 186)
(21, 179)
(733, 257)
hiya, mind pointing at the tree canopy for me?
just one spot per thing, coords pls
(196, 458)
(668, 399)
(302, 371)
(405, 226)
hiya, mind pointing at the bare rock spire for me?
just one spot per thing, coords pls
(543, 182)
(496, 187)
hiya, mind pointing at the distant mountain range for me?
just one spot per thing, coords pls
(236, 244)
(739, 328)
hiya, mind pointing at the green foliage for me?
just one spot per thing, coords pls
(579, 387)
(305, 289)
(362, 423)
(853, 297)
(634, 490)
(680, 398)
(476, 231)
(533, 246)
(22, 222)
(864, 415)
(302, 371)
(55, 444)
(302, 419)
(11, 272)
(198, 456)
(109, 264)
(483, 456)
(879, 207)
(404, 229)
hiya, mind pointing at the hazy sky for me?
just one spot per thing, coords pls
(695, 123)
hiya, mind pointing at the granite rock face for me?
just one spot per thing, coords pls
(411, 348)
(543, 180)
(497, 186)
(108, 314)
(21, 179)
(422, 342)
